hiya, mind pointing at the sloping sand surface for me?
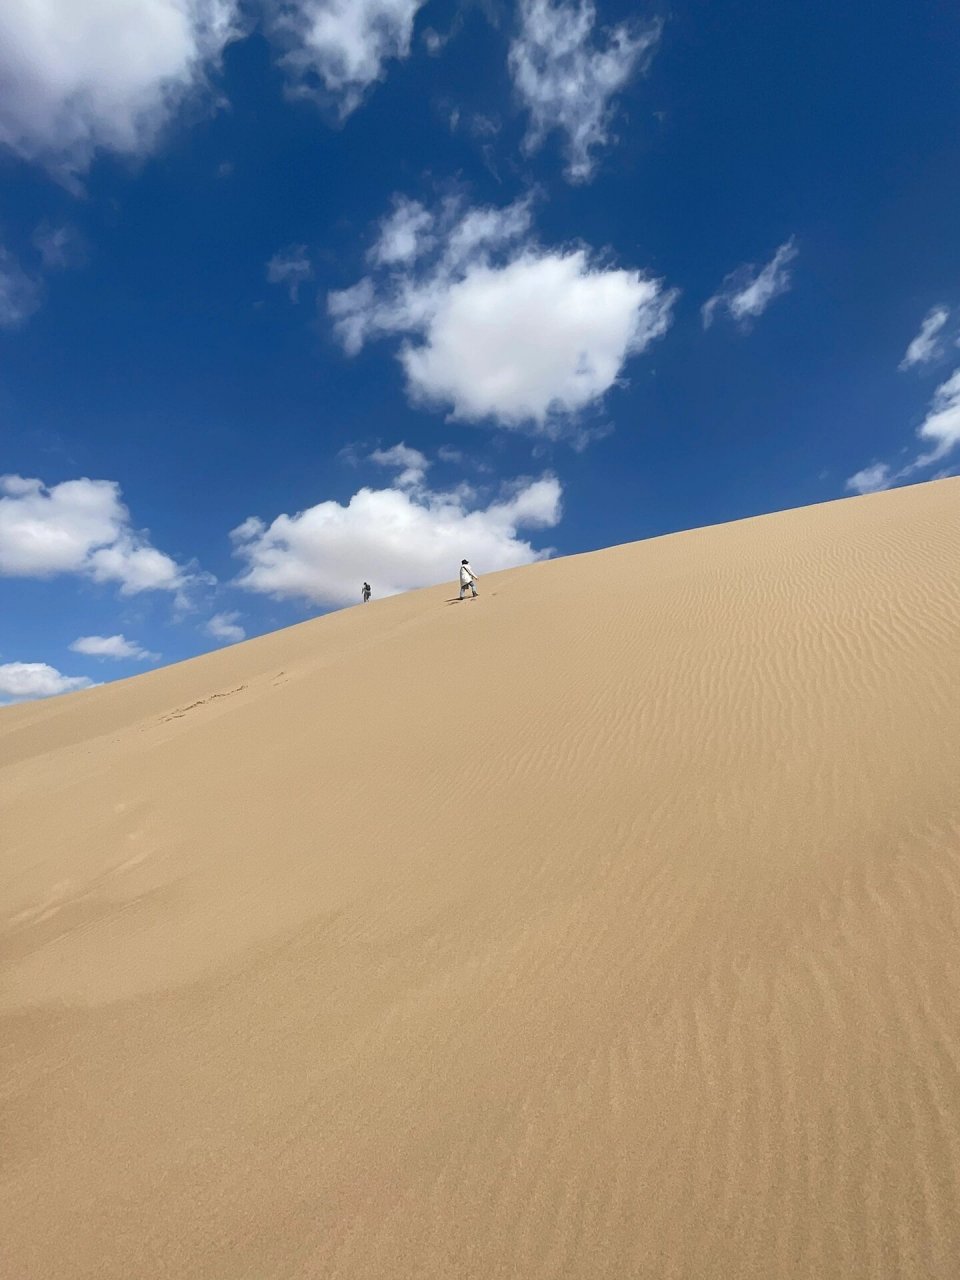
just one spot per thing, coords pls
(605, 926)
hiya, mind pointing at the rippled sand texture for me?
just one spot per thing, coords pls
(605, 926)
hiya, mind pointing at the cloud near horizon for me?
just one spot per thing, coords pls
(941, 426)
(23, 681)
(397, 538)
(225, 627)
(117, 647)
(940, 429)
(496, 328)
(81, 527)
(871, 479)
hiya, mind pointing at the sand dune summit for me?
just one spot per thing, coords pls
(606, 926)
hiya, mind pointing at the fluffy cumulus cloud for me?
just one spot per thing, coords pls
(81, 527)
(79, 75)
(496, 327)
(566, 74)
(290, 267)
(396, 538)
(225, 627)
(939, 431)
(748, 291)
(336, 49)
(20, 681)
(927, 345)
(117, 647)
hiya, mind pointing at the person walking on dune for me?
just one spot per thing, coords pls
(366, 592)
(467, 579)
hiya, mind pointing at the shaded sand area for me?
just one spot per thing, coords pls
(607, 926)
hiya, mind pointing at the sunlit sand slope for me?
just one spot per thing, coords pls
(605, 926)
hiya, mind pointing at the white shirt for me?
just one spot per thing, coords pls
(466, 575)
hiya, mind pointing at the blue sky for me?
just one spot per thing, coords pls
(298, 294)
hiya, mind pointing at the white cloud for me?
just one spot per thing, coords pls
(20, 681)
(81, 527)
(411, 463)
(403, 233)
(344, 44)
(567, 81)
(357, 314)
(543, 335)
(118, 647)
(224, 626)
(500, 328)
(290, 266)
(79, 75)
(926, 345)
(872, 478)
(19, 292)
(747, 292)
(396, 539)
(940, 428)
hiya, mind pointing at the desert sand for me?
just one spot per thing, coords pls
(605, 926)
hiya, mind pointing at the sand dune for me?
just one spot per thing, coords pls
(606, 926)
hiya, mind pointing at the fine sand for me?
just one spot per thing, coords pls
(605, 926)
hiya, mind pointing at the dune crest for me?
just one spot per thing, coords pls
(605, 926)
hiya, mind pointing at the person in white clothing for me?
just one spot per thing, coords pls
(467, 579)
